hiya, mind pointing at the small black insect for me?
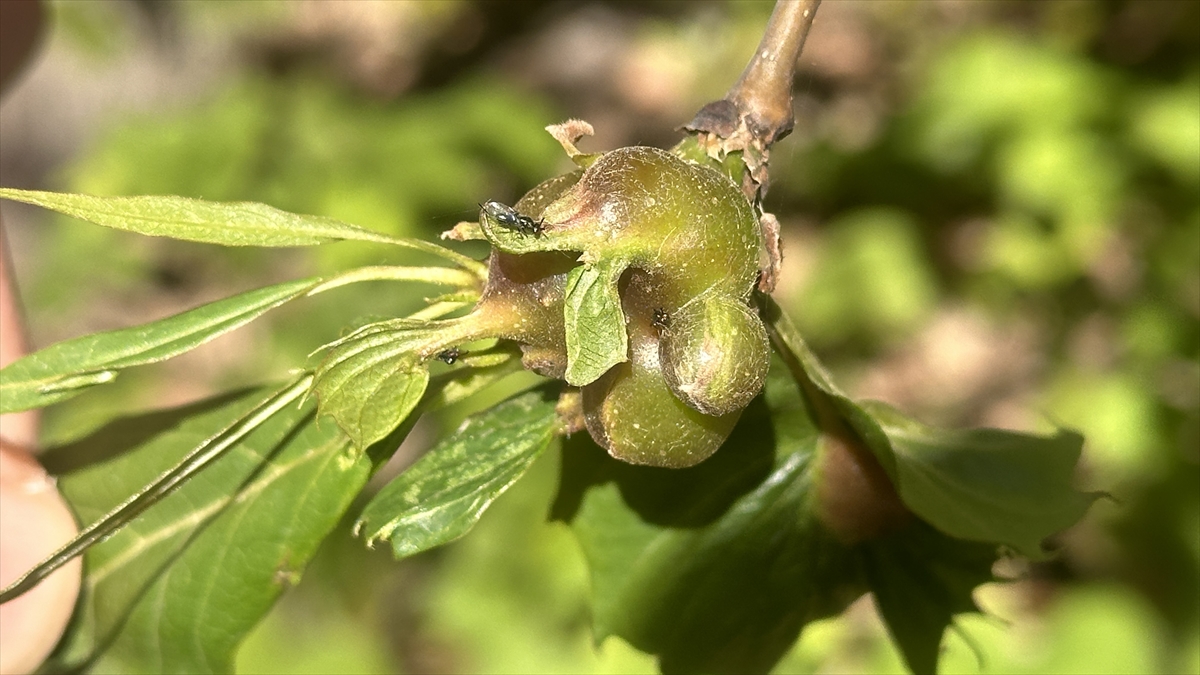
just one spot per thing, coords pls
(508, 217)
(449, 356)
(661, 320)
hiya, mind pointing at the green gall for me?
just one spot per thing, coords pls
(631, 278)
(631, 412)
(715, 353)
(655, 212)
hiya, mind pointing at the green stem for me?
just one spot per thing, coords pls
(436, 311)
(815, 384)
(432, 275)
(477, 268)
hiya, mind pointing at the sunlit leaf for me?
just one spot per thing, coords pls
(443, 495)
(370, 381)
(224, 223)
(65, 369)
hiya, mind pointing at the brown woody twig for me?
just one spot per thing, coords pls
(757, 111)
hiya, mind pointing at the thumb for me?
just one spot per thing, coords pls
(34, 522)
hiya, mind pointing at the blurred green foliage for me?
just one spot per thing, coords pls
(1019, 168)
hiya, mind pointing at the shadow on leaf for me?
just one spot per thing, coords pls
(124, 434)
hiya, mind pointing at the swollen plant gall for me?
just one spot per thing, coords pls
(689, 245)
(633, 414)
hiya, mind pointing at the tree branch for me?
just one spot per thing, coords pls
(764, 93)
(757, 111)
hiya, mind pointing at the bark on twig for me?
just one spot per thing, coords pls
(757, 111)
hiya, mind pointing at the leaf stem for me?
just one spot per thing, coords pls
(763, 94)
(436, 310)
(432, 275)
(816, 386)
(211, 449)
(477, 268)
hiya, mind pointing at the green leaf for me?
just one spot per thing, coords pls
(921, 578)
(718, 567)
(224, 223)
(178, 587)
(972, 490)
(986, 485)
(715, 568)
(204, 454)
(65, 369)
(443, 495)
(595, 324)
(371, 381)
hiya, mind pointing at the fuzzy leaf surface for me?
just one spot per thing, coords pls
(371, 381)
(595, 325)
(67, 368)
(225, 223)
(441, 497)
(178, 588)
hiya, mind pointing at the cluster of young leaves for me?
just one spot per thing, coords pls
(275, 479)
(713, 568)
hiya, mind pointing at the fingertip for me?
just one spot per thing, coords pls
(34, 522)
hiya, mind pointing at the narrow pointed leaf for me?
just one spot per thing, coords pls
(65, 369)
(224, 223)
(443, 495)
(95, 477)
(202, 456)
(595, 325)
(178, 587)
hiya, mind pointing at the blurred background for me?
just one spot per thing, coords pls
(991, 216)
